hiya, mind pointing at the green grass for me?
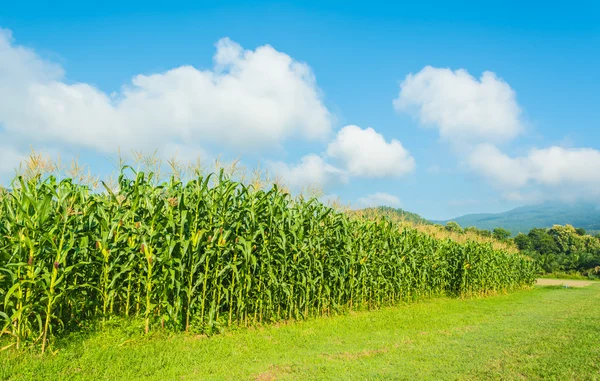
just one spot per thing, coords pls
(543, 333)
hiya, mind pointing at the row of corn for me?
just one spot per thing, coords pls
(211, 252)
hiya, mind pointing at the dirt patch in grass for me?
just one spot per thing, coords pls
(274, 372)
(355, 355)
(563, 282)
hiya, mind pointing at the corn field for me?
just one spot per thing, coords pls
(211, 252)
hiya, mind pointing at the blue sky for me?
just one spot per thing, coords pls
(529, 134)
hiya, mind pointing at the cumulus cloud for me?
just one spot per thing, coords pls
(365, 153)
(505, 171)
(463, 108)
(568, 171)
(476, 115)
(530, 196)
(312, 171)
(379, 199)
(356, 152)
(250, 99)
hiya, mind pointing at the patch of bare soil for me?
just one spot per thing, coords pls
(355, 355)
(273, 373)
(563, 282)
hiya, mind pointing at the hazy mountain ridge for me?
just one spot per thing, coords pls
(523, 219)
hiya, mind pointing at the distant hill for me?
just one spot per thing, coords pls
(523, 219)
(399, 213)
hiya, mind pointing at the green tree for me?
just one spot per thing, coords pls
(522, 241)
(453, 226)
(542, 242)
(471, 229)
(548, 262)
(485, 233)
(567, 239)
(501, 234)
(476, 230)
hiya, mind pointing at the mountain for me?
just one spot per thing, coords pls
(523, 219)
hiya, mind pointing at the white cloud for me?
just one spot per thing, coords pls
(186, 153)
(561, 172)
(534, 196)
(379, 199)
(365, 153)
(251, 99)
(488, 161)
(556, 165)
(312, 171)
(477, 114)
(357, 153)
(464, 109)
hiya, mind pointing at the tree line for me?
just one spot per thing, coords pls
(559, 249)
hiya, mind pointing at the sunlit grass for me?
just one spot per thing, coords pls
(539, 334)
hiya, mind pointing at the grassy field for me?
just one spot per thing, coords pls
(543, 333)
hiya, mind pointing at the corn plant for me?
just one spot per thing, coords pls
(210, 252)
